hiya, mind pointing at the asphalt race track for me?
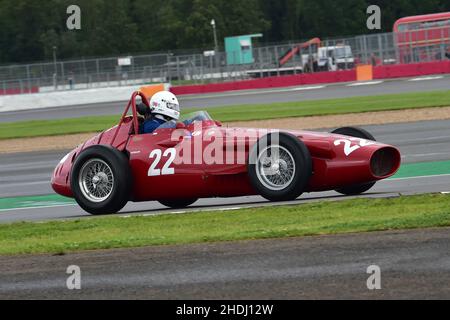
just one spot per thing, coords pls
(313, 92)
(413, 264)
(29, 174)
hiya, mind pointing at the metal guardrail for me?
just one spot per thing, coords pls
(196, 68)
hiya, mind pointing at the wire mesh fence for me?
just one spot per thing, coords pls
(205, 67)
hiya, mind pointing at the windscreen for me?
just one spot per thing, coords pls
(187, 119)
(195, 116)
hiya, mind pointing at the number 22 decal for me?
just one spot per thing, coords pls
(348, 148)
(166, 169)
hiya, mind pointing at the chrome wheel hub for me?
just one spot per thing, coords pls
(275, 167)
(96, 180)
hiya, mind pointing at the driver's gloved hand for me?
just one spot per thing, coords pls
(143, 110)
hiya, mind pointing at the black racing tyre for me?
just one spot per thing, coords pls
(283, 177)
(354, 132)
(357, 133)
(178, 203)
(101, 180)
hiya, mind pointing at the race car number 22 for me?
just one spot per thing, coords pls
(157, 155)
(349, 148)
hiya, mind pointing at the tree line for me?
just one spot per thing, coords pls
(29, 29)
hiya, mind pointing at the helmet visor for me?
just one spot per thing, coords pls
(173, 106)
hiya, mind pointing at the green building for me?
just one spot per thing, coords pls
(239, 49)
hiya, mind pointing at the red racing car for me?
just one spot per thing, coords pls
(197, 157)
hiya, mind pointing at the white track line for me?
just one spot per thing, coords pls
(364, 83)
(40, 207)
(306, 88)
(418, 177)
(426, 78)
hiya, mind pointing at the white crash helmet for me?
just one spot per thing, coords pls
(165, 103)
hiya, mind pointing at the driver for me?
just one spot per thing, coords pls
(164, 107)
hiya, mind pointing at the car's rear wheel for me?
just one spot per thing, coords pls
(357, 133)
(177, 204)
(279, 167)
(100, 180)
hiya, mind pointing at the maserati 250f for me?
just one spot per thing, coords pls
(198, 157)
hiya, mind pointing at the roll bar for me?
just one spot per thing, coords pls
(132, 104)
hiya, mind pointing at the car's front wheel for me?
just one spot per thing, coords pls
(100, 180)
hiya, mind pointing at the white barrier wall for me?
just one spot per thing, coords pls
(66, 98)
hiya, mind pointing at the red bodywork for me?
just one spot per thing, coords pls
(332, 168)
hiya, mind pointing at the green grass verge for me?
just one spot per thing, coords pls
(39, 128)
(242, 113)
(333, 106)
(358, 215)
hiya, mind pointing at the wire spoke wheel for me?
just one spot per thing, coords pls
(96, 180)
(279, 166)
(275, 167)
(101, 180)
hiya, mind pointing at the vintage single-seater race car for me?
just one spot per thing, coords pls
(197, 157)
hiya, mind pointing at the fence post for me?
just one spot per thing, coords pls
(211, 70)
(28, 78)
(277, 61)
(84, 69)
(200, 75)
(168, 68)
(366, 48)
(97, 64)
(178, 68)
(133, 71)
(55, 84)
(294, 59)
(63, 80)
(311, 60)
(396, 46)
(380, 47)
(222, 77)
(260, 58)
